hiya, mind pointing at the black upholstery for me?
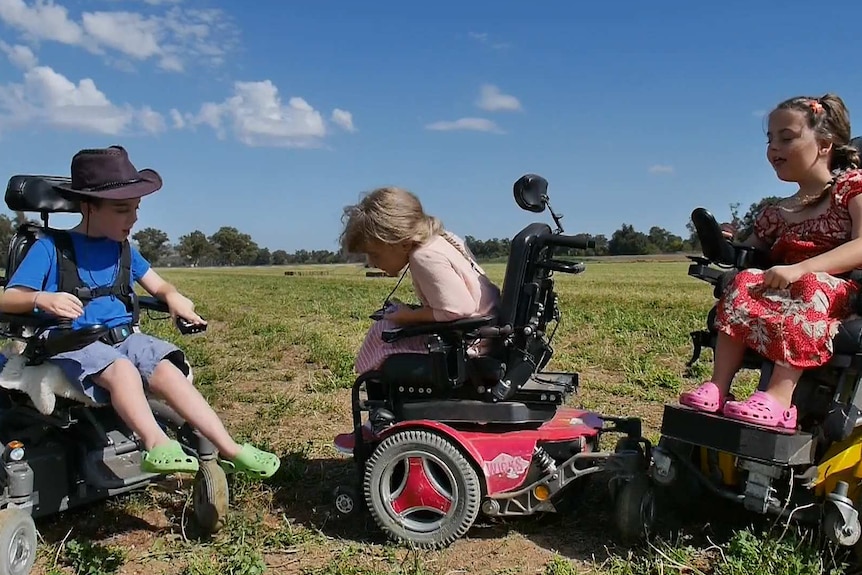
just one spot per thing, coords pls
(514, 309)
(38, 194)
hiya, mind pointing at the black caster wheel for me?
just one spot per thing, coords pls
(635, 509)
(210, 496)
(347, 501)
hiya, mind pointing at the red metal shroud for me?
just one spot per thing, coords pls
(504, 457)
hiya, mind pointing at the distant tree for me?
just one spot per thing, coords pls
(195, 247)
(152, 243)
(628, 241)
(279, 257)
(234, 247)
(263, 258)
(7, 230)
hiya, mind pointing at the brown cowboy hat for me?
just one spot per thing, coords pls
(107, 173)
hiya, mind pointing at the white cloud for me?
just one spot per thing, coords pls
(344, 119)
(474, 124)
(43, 21)
(493, 100)
(173, 38)
(660, 169)
(256, 116)
(50, 99)
(20, 56)
(127, 32)
(177, 119)
(151, 121)
(484, 39)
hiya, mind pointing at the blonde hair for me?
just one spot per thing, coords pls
(391, 215)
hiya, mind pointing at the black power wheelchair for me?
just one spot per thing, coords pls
(59, 449)
(449, 435)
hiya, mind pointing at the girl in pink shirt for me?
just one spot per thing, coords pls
(390, 227)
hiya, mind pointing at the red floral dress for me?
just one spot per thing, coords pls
(794, 326)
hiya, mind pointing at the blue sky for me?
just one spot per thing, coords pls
(273, 116)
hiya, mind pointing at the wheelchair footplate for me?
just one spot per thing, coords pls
(742, 439)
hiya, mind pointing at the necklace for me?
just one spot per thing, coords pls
(796, 203)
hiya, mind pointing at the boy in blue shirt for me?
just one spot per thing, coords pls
(110, 189)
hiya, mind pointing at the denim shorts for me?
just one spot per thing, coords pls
(144, 351)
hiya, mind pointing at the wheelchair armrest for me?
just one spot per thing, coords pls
(31, 319)
(152, 304)
(446, 327)
(67, 340)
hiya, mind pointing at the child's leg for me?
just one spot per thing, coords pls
(159, 364)
(168, 382)
(727, 361)
(782, 384)
(122, 380)
(711, 395)
(104, 374)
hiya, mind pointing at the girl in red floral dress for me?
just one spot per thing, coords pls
(790, 312)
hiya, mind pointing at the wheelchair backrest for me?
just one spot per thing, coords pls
(520, 288)
(33, 194)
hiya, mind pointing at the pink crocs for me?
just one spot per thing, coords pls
(762, 409)
(707, 397)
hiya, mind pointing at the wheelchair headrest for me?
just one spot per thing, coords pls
(713, 243)
(531, 193)
(37, 194)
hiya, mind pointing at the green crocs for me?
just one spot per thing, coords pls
(253, 462)
(168, 458)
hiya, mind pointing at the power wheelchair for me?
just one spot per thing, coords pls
(811, 476)
(449, 435)
(60, 449)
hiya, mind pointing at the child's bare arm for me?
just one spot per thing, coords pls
(24, 300)
(179, 304)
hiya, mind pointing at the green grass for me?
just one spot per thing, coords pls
(277, 363)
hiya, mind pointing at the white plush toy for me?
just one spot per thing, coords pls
(43, 383)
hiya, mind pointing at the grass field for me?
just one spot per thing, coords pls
(277, 364)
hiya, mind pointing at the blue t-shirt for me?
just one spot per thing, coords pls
(98, 265)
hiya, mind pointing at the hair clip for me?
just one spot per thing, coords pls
(816, 106)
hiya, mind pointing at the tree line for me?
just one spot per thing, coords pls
(230, 247)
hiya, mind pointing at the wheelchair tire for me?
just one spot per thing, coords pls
(412, 460)
(635, 509)
(17, 542)
(210, 497)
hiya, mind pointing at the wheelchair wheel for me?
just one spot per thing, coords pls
(421, 489)
(210, 498)
(635, 509)
(347, 501)
(17, 542)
